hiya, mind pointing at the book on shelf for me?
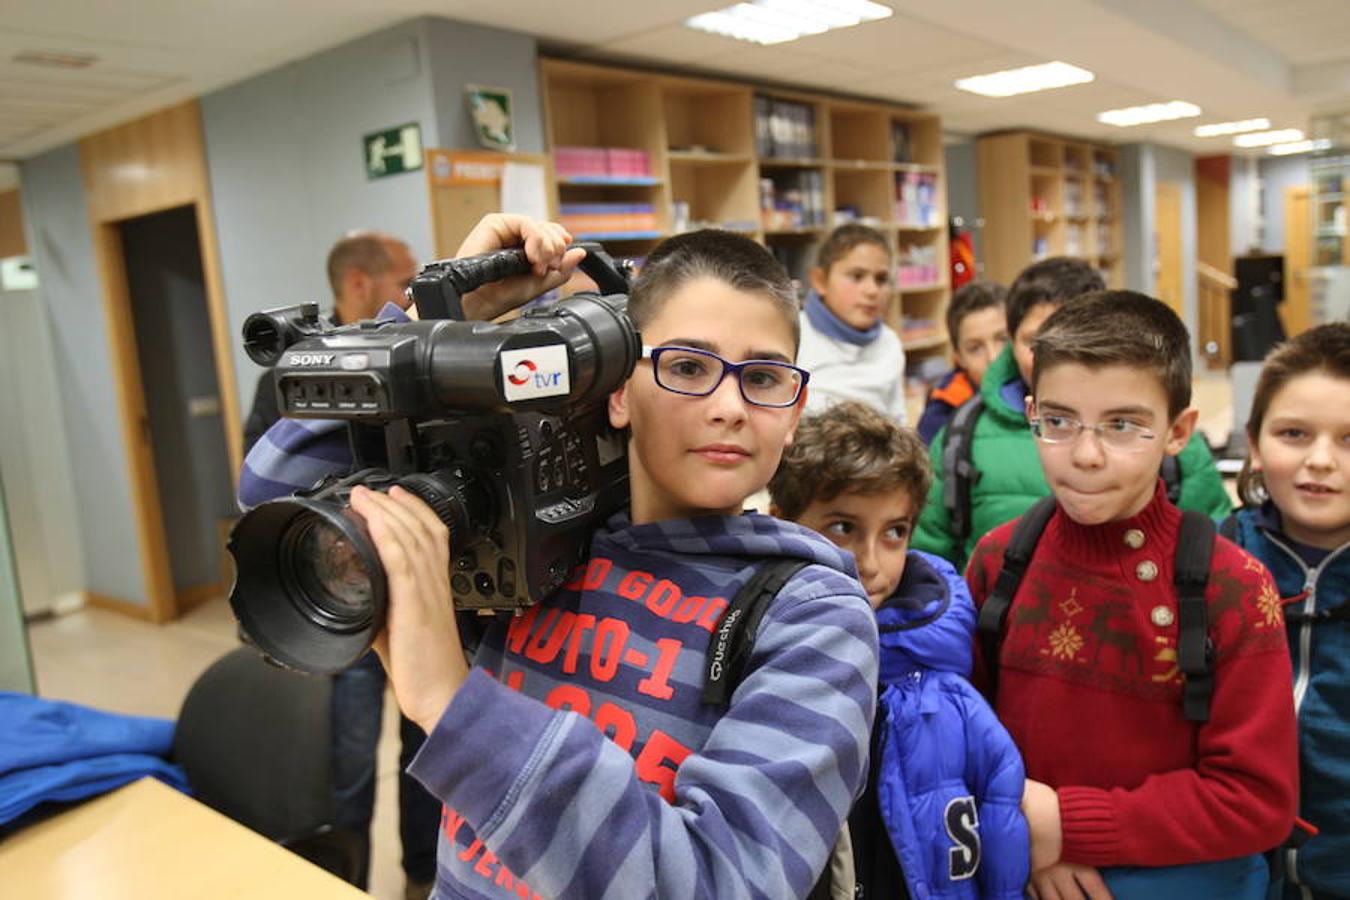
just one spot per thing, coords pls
(784, 128)
(601, 162)
(792, 199)
(607, 218)
(901, 150)
(917, 265)
(916, 199)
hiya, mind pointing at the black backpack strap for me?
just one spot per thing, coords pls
(958, 466)
(734, 637)
(1171, 476)
(1195, 651)
(1016, 557)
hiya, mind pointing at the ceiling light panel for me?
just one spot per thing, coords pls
(1146, 115)
(1026, 80)
(779, 21)
(1221, 129)
(1300, 147)
(1266, 138)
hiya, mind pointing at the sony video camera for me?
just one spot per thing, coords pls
(501, 428)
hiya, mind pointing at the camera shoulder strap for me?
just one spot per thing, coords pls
(734, 637)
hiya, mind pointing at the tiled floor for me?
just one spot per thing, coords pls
(109, 661)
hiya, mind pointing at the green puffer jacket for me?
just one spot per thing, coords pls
(1004, 452)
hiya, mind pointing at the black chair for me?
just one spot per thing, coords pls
(254, 741)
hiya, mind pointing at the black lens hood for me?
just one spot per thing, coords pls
(272, 608)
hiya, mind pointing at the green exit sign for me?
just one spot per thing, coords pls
(393, 151)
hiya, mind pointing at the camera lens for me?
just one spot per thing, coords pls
(310, 591)
(330, 572)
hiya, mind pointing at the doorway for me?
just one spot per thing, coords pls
(166, 290)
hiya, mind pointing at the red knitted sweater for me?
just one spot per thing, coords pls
(1090, 691)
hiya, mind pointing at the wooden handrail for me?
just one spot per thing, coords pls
(1217, 276)
(1214, 292)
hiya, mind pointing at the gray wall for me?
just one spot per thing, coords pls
(284, 157)
(1143, 166)
(284, 153)
(1136, 215)
(1244, 205)
(34, 456)
(16, 669)
(61, 246)
(963, 190)
(460, 54)
(1278, 173)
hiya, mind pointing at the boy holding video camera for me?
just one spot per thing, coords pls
(576, 757)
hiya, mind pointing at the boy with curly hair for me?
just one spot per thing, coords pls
(939, 816)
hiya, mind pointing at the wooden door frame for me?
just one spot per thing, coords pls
(1174, 189)
(1296, 312)
(167, 154)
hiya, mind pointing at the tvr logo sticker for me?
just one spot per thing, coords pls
(534, 372)
(522, 372)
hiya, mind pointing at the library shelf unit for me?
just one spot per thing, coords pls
(1042, 195)
(1331, 179)
(781, 166)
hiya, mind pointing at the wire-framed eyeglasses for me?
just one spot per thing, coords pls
(697, 373)
(1118, 434)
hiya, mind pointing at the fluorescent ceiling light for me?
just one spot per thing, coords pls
(1219, 129)
(1145, 115)
(1300, 147)
(1266, 138)
(778, 21)
(1025, 80)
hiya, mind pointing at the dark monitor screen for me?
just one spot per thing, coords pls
(1259, 278)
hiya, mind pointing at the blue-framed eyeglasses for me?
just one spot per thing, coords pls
(697, 373)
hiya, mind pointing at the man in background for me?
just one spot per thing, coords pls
(366, 270)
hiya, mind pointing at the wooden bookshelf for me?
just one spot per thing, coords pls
(1042, 195)
(713, 156)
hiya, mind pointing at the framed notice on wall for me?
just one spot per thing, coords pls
(490, 109)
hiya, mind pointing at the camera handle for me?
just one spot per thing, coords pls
(439, 289)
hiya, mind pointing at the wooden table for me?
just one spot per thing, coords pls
(147, 841)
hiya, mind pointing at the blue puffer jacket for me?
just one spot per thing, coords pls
(1320, 651)
(949, 778)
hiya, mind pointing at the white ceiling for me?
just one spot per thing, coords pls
(1282, 59)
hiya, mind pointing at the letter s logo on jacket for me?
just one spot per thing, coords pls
(963, 823)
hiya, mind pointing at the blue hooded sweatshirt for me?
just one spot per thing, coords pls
(578, 761)
(949, 779)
